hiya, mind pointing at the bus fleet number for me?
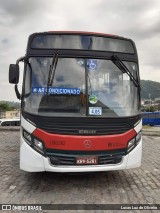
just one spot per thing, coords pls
(95, 110)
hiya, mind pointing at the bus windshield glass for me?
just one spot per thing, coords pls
(81, 42)
(79, 87)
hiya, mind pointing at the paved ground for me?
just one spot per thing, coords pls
(151, 130)
(138, 186)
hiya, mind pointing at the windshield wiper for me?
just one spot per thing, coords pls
(52, 71)
(124, 69)
(90, 44)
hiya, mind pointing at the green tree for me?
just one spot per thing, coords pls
(5, 107)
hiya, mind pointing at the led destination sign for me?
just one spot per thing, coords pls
(56, 90)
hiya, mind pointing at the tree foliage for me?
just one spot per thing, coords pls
(5, 107)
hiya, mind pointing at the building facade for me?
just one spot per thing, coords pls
(10, 114)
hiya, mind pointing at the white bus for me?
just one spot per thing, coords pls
(80, 103)
(10, 122)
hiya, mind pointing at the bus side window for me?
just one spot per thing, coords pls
(158, 115)
(12, 123)
(152, 115)
(17, 123)
(146, 116)
(5, 123)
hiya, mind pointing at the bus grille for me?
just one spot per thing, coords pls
(67, 128)
(69, 160)
(83, 125)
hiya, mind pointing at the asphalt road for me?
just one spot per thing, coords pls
(135, 186)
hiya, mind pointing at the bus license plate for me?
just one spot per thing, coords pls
(87, 160)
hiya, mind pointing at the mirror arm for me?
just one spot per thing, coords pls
(17, 92)
(16, 87)
(20, 59)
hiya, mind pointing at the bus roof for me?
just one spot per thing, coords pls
(10, 119)
(156, 112)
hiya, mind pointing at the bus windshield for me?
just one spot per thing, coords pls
(80, 87)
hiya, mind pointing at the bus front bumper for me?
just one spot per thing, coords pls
(32, 161)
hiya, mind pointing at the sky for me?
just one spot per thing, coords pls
(135, 19)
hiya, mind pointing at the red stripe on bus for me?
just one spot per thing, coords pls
(84, 143)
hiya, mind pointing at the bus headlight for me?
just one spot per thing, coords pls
(38, 145)
(27, 137)
(133, 142)
(138, 137)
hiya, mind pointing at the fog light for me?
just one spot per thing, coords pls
(38, 145)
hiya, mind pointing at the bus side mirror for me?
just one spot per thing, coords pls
(13, 73)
